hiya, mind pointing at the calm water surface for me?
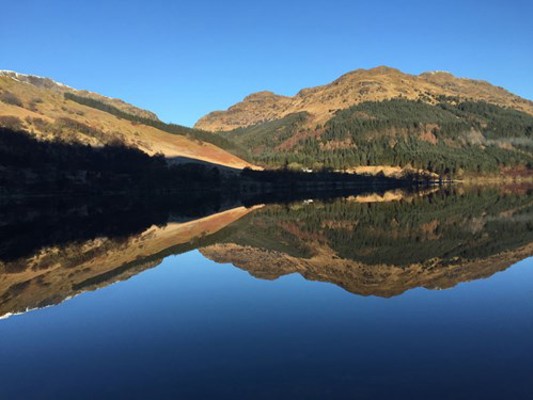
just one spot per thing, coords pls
(425, 296)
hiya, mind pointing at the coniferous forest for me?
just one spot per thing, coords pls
(451, 138)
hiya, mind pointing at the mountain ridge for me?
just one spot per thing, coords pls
(49, 83)
(375, 84)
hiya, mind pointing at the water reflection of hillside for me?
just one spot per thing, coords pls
(368, 243)
(57, 272)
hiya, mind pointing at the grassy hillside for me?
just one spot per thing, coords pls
(52, 111)
(451, 137)
(174, 129)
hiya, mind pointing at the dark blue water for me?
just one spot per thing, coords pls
(195, 329)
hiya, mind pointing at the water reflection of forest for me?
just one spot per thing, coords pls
(368, 243)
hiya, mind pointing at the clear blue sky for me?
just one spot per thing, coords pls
(184, 59)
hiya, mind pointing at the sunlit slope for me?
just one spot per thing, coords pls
(40, 106)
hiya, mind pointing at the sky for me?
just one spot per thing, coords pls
(184, 59)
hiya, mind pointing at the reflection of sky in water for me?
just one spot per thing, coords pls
(197, 329)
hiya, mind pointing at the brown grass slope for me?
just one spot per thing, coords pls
(38, 105)
(376, 84)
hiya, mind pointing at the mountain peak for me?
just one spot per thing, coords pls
(262, 95)
(35, 80)
(383, 69)
(436, 72)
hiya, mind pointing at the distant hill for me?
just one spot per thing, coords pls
(50, 110)
(383, 117)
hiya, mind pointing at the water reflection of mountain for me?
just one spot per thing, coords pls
(52, 249)
(384, 248)
(371, 244)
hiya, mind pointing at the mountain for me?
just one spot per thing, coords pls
(384, 117)
(367, 121)
(50, 110)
